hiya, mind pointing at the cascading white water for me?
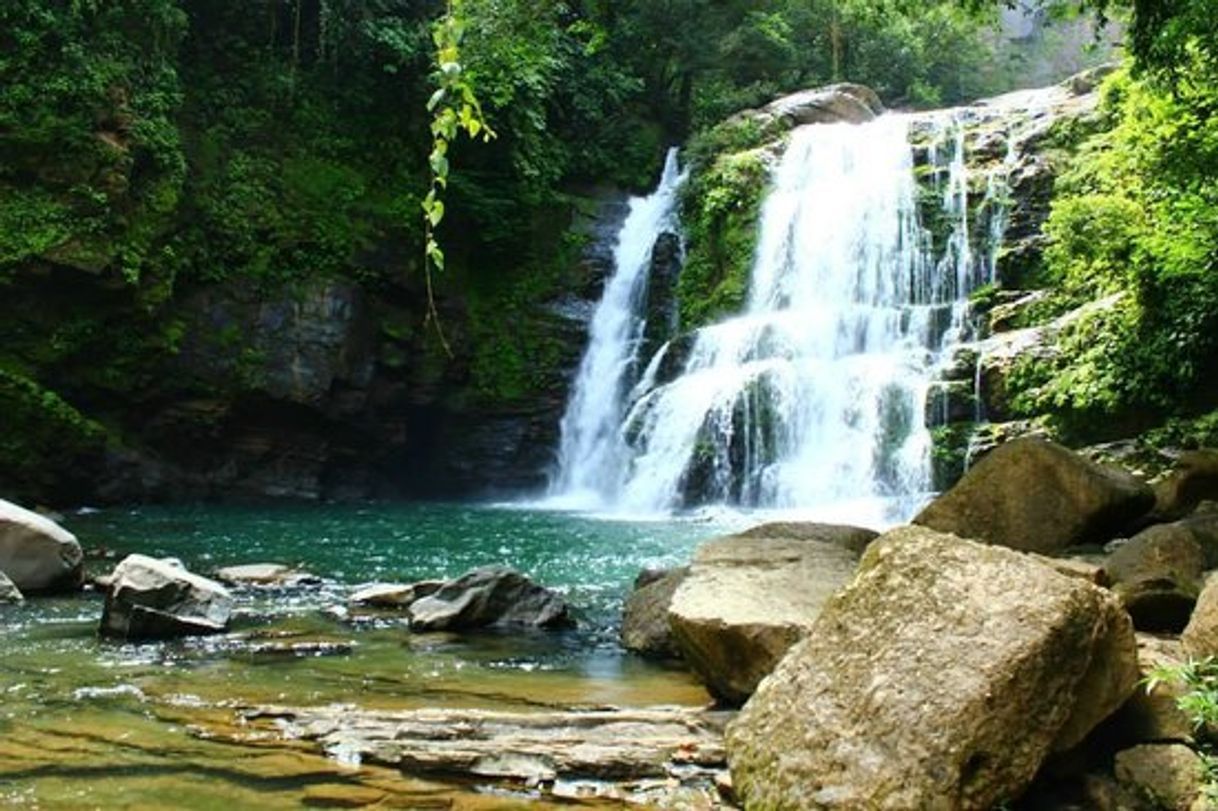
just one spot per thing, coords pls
(814, 396)
(592, 453)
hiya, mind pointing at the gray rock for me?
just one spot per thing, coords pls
(645, 626)
(9, 593)
(37, 554)
(1036, 496)
(394, 595)
(1158, 575)
(492, 595)
(153, 599)
(941, 678)
(748, 598)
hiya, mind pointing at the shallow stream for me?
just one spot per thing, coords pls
(92, 723)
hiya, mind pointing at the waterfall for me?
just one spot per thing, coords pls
(592, 453)
(815, 397)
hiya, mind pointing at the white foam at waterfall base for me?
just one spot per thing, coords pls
(592, 454)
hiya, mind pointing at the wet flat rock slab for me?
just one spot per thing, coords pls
(665, 756)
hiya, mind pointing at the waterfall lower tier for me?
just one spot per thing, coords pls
(815, 397)
(592, 453)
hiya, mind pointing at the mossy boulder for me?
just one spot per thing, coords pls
(931, 683)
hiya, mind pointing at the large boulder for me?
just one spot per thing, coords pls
(1158, 574)
(159, 599)
(941, 678)
(1033, 495)
(748, 598)
(9, 593)
(491, 595)
(37, 554)
(645, 626)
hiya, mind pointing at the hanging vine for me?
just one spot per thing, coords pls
(454, 109)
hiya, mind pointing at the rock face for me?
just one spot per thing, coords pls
(154, 599)
(645, 626)
(1158, 575)
(749, 598)
(492, 595)
(1036, 496)
(37, 554)
(9, 593)
(940, 678)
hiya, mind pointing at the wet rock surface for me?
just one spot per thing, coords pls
(155, 599)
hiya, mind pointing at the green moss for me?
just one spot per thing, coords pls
(44, 438)
(722, 209)
(949, 452)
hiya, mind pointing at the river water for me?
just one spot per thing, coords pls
(93, 723)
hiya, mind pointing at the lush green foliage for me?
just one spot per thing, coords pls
(1137, 217)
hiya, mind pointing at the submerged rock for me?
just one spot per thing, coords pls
(645, 626)
(1036, 496)
(940, 678)
(265, 574)
(748, 598)
(394, 595)
(491, 595)
(154, 599)
(9, 593)
(36, 553)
